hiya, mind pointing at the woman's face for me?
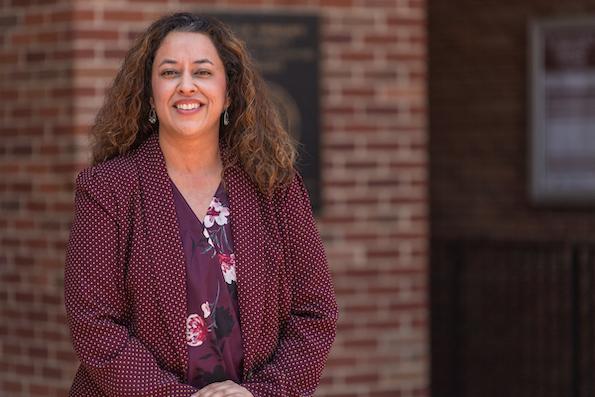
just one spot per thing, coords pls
(189, 86)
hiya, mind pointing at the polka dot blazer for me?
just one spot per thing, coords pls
(125, 286)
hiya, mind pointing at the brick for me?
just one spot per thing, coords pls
(381, 3)
(36, 56)
(123, 15)
(10, 278)
(35, 19)
(357, 56)
(339, 110)
(247, 2)
(388, 75)
(12, 386)
(23, 224)
(72, 15)
(8, 58)
(364, 92)
(72, 92)
(24, 297)
(38, 353)
(343, 394)
(383, 109)
(381, 39)
(386, 393)
(36, 169)
(21, 187)
(6, 93)
(405, 56)
(66, 356)
(369, 378)
(98, 34)
(51, 373)
(39, 390)
(337, 38)
(401, 20)
(79, 54)
(12, 350)
(36, 243)
(371, 343)
(50, 37)
(22, 39)
(361, 128)
(336, 3)
(114, 54)
(54, 336)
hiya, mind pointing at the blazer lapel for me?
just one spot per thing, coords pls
(250, 240)
(167, 259)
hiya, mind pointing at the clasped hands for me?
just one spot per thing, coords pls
(223, 389)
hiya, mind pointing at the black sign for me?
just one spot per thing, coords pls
(286, 51)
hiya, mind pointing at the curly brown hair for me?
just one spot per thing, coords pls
(255, 139)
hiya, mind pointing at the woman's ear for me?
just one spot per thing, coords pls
(227, 98)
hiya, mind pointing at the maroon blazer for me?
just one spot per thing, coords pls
(125, 283)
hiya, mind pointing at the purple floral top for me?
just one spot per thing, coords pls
(213, 332)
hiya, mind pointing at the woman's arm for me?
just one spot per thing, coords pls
(306, 339)
(96, 305)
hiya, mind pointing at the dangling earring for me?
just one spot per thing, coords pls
(152, 116)
(225, 118)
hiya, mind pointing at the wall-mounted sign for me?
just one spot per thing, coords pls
(286, 50)
(562, 69)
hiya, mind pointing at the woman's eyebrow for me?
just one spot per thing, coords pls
(173, 61)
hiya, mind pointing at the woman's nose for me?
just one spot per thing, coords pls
(187, 84)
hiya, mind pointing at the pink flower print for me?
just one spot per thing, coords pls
(206, 309)
(216, 213)
(196, 330)
(228, 267)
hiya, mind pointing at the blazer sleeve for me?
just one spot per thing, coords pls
(95, 300)
(306, 338)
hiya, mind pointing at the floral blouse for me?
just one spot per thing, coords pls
(213, 333)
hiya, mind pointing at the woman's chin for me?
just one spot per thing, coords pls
(191, 132)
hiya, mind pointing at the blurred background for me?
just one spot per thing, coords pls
(455, 276)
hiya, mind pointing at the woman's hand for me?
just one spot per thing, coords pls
(223, 389)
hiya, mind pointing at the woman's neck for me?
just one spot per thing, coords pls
(197, 158)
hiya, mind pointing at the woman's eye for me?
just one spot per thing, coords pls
(203, 72)
(168, 73)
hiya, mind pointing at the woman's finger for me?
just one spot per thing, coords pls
(223, 389)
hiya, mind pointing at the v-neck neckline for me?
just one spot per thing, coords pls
(189, 208)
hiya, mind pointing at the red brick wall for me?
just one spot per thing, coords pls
(478, 118)
(56, 60)
(38, 152)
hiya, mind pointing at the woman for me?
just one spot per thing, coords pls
(194, 267)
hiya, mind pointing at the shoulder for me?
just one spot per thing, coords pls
(295, 190)
(111, 178)
(293, 200)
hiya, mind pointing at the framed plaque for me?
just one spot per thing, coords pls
(562, 103)
(285, 48)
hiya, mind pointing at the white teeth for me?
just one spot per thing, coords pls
(187, 106)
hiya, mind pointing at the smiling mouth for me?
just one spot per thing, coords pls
(187, 106)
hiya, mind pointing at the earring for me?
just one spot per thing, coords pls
(225, 118)
(152, 116)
